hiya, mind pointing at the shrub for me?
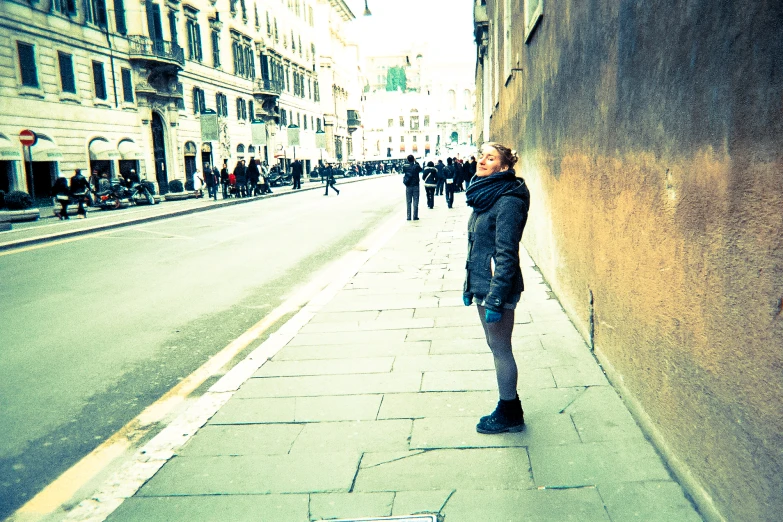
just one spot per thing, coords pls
(150, 186)
(176, 186)
(17, 200)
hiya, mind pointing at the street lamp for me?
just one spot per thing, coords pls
(366, 9)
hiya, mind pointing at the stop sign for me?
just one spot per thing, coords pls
(28, 138)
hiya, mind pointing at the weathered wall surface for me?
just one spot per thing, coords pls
(651, 137)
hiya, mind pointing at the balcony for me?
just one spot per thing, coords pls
(354, 120)
(263, 87)
(155, 51)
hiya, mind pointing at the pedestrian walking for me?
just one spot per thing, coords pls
(441, 177)
(450, 173)
(493, 277)
(79, 187)
(328, 173)
(470, 171)
(430, 177)
(211, 179)
(264, 180)
(224, 178)
(62, 195)
(297, 168)
(410, 179)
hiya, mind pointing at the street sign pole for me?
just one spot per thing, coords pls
(29, 138)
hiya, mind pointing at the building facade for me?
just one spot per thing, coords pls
(163, 87)
(651, 144)
(417, 106)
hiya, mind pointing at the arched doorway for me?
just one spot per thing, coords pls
(159, 151)
(190, 163)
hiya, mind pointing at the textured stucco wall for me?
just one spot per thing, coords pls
(651, 136)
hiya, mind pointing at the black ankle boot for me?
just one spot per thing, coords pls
(508, 416)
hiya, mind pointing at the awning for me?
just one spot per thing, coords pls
(129, 150)
(9, 151)
(46, 150)
(103, 150)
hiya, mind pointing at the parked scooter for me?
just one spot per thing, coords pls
(111, 198)
(140, 191)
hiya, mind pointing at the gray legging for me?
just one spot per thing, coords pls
(499, 340)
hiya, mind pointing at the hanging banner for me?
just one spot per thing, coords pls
(258, 132)
(209, 125)
(293, 135)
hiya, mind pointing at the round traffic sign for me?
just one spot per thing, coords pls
(28, 138)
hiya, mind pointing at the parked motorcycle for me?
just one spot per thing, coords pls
(111, 198)
(278, 178)
(140, 191)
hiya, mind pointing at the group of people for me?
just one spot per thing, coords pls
(75, 191)
(439, 179)
(242, 182)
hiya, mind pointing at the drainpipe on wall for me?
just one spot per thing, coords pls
(111, 61)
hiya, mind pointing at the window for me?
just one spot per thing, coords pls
(427, 137)
(283, 118)
(268, 24)
(312, 50)
(414, 138)
(244, 10)
(402, 121)
(426, 121)
(305, 122)
(251, 115)
(27, 64)
(277, 33)
(241, 109)
(312, 18)
(194, 35)
(98, 8)
(67, 81)
(317, 92)
(402, 139)
(318, 122)
(242, 50)
(221, 102)
(293, 42)
(391, 122)
(173, 26)
(99, 81)
(66, 7)
(127, 86)
(414, 123)
(300, 46)
(199, 105)
(119, 16)
(390, 139)
(215, 48)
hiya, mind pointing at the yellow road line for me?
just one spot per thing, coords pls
(67, 484)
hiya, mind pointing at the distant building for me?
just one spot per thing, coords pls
(167, 87)
(416, 106)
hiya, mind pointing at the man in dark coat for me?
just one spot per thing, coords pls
(328, 173)
(240, 174)
(410, 179)
(224, 179)
(296, 171)
(253, 175)
(441, 178)
(79, 188)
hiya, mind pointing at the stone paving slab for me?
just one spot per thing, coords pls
(576, 505)
(214, 508)
(445, 362)
(492, 468)
(318, 385)
(324, 506)
(326, 367)
(359, 436)
(345, 351)
(651, 501)
(254, 474)
(416, 502)
(247, 439)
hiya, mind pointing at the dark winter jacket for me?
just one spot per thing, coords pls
(239, 173)
(430, 176)
(410, 176)
(252, 173)
(79, 184)
(492, 267)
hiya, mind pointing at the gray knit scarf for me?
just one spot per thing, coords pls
(484, 191)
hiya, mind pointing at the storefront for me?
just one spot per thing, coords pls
(10, 163)
(45, 158)
(102, 157)
(130, 155)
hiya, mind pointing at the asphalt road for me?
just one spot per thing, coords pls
(94, 330)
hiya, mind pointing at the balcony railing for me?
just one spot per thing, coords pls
(263, 86)
(141, 46)
(354, 120)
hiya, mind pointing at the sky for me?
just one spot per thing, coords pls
(446, 25)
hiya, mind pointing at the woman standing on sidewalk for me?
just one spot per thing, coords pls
(500, 204)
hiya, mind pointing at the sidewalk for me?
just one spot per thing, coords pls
(47, 228)
(369, 409)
